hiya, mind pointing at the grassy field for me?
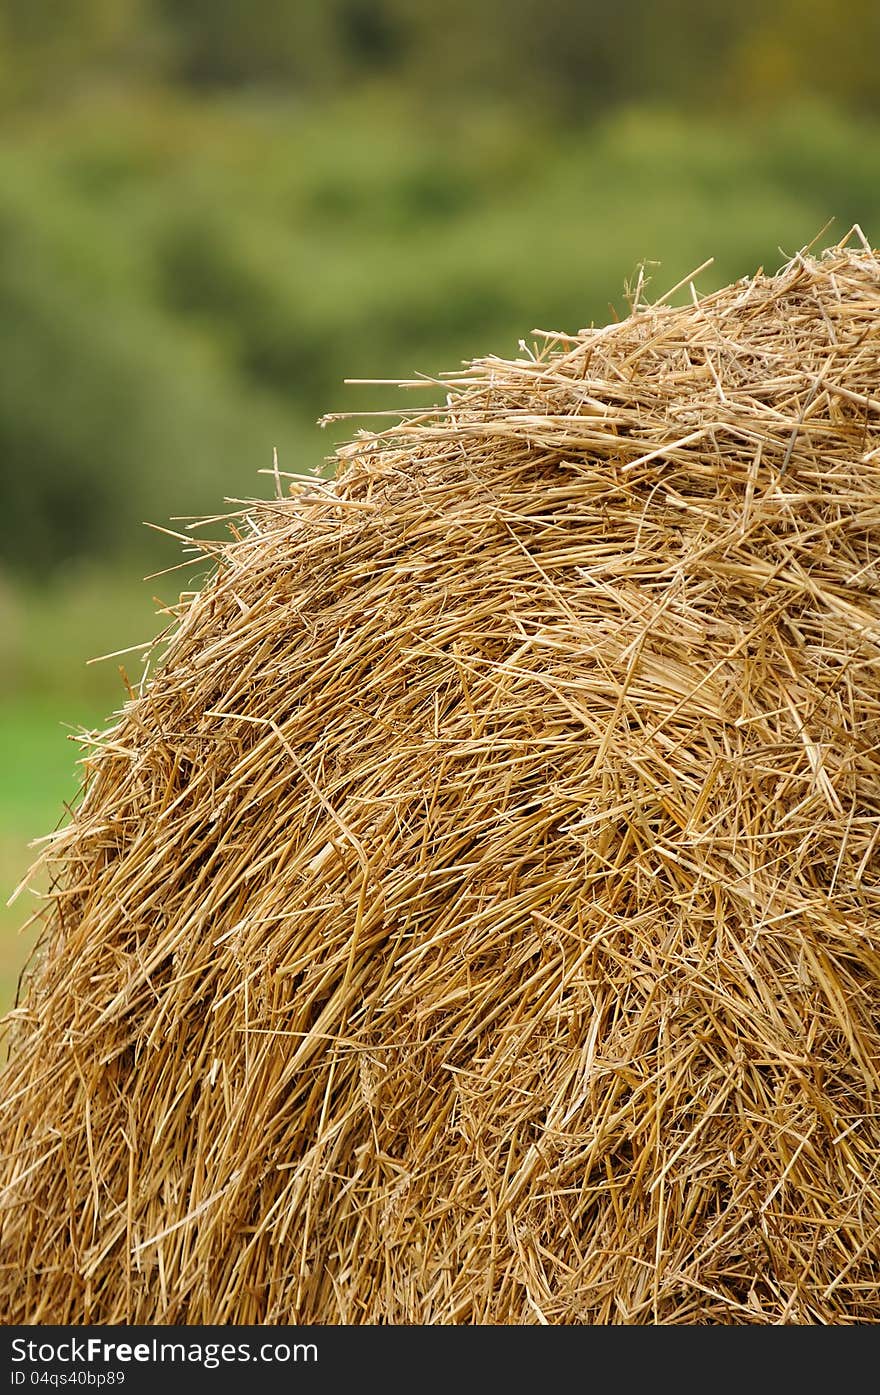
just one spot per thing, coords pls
(49, 693)
(40, 773)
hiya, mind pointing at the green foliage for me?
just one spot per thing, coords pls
(40, 776)
(110, 412)
(211, 213)
(185, 285)
(569, 57)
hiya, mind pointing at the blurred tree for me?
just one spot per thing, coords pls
(810, 48)
(567, 58)
(53, 47)
(307, 44)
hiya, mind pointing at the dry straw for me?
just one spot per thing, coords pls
(474, 917)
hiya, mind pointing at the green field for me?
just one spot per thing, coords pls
(40, 773)
(49, 694)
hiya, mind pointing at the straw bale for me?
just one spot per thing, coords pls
(473, 917)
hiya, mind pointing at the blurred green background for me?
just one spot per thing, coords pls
(212, 212)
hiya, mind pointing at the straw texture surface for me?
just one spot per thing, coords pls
(475, 915)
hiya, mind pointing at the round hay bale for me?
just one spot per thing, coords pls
(474, 917)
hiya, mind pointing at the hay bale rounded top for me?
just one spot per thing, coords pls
(474, 918)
